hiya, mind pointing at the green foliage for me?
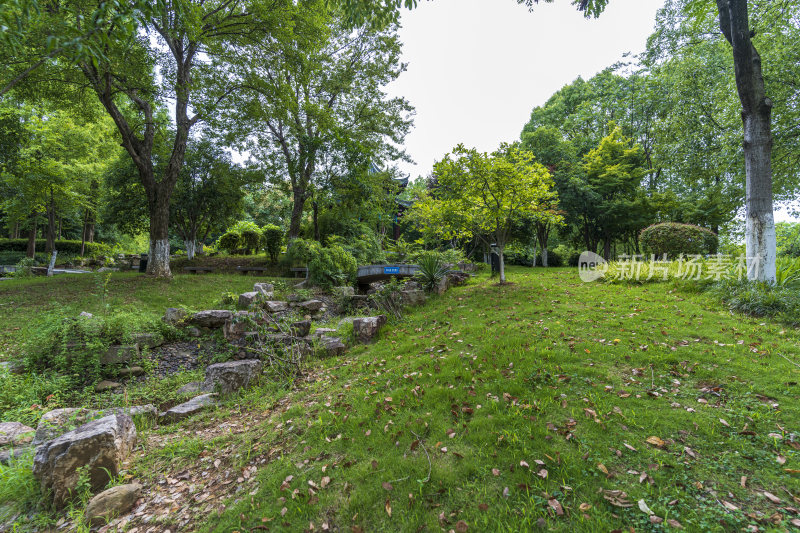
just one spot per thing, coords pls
(301, 251)
(251, 240)
(23, 267)
(230, 242)
(402, 251)
(366, 247)
(272, 236)
(673, 239)
(759, 299)
(787, 236)
(73, 247)
(432, 269)
(787, 273)
(332, 266)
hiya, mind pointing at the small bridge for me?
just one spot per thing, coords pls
(371, 273)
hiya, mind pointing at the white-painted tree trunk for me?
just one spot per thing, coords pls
(760, 243)
(158, 262)
(190, 249)
(502, 266)
(544, 256)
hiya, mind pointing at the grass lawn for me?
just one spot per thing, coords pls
(546, 403)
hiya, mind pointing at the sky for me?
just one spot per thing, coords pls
(476, 68)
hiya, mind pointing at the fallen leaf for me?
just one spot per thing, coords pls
(644, 508)
(585, 507)
(602, 468)
(461, 526)
(387, 486)
(556, 506)
(388, 507)
(729, 506)
(505, 492)
(674, 523)
(495, 472)
(655, 441)
(523, 464)
(724, 422)
(771, 497)
(542, 473)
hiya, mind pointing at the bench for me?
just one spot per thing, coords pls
(195, 270)
(299, 270)
(245, 269)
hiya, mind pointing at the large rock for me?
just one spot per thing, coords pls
(193, 387)
(212, 319)
(323, 332)
(136, 410)
(312, 306)
(112, 503)
(106, 385)
(412, 296)
(59, 421)
(301, 328)
(344, 291)
(99, 446)
(147, 340)
(15, 434)
(332, 346)
(365, 329)
(229, 377)
(264, 288)
(276, 307)
(174, 316)
(187, 409)
(247, 299)
(131, 371)
(120, 354)
(235, 330)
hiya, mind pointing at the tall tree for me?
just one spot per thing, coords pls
(318, 91)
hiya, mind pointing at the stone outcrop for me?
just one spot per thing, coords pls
(187, 409)
(147, 340)
(332, 346)
(276, 307)
(266, 289)
(312, 306)
(212, 319)
(112, 503)
(106, 385)
(174, 316)
(99, 447)
(120, 354)
(366, 328)
(59, 421)
(247, 299)
(412, 296)
(231, 376)
(301, 328)
(15, 434)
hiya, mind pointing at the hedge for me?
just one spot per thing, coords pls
(675, 239)
(63, 246)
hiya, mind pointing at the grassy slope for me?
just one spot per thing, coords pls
(21, 301)
(551, 370)
(548, 369)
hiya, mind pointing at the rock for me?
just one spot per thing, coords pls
(187, 409)
(15, 434)
(193, 387)
(264, 288)
(106, 385)
(132, 371)
(332, 346)
(11, 453)
(312, 305)
(213, 319)
(365, 329)
(443, 285)
(345, 321)
(136, 410)
(456, 278)
(412, 285)
(295, 298)
(344, 291)
(301, 328)
(147, 340)
(194, 332)
(112, 503)
(276, 307)
(174, 316)
(101, 446)
(247, 299)
(107, 269)
(59, 421)
(323, 332)
(84, 314)
(235, 330)
(412, 296)
(229, 377)
(120, 354)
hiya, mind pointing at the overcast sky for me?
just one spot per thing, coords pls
(476, 68)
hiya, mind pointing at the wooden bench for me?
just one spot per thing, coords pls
(299, 270)
(195, 270)
(245, 269)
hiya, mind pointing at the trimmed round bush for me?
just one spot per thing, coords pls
(250, 240)
(273, 239)
(675, 239)
(230, 242)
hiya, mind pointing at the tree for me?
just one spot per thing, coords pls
(152, 59)
(484, 195)
(317, 92)
(614, 172)
(209, 193)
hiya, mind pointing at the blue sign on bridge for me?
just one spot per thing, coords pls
(391, 270)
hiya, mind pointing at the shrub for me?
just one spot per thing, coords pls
(758, 299)
(250, 240)
(432, 270)
(300, 252)
(787, 273)
(73, 247)
(23, 267)
(332, 266)
(230, 242)
(675, 239)
(273, 239)
(366, 248)
(449, 256)
(554, 259)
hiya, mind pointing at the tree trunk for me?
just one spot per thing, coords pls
(315, 211)
(83, 232)
(31, 252)
(544, 256)
(190, 249)
(756, 117)
(15, 230)
(158, 261)
(298, 202)
(607, 248)
(502, 266)
(50, 243)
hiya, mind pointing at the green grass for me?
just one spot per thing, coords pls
(545, 374)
